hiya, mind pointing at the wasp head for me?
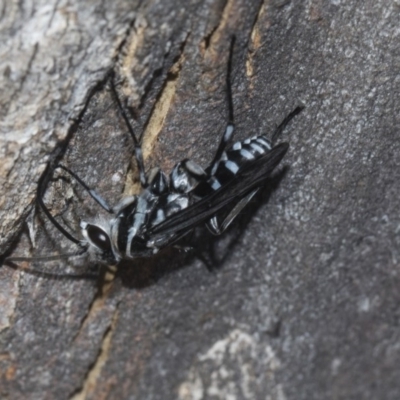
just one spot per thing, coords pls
(98, 239)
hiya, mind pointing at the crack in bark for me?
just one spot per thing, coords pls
(129, 50)
(255, 38)
(209, 42)
(53, 13)
(162, 106)
(105, 284)
(24, 76)
(94, 371)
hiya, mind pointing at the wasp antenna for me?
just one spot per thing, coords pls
(10, 262)
(53, 275)
(47, 258)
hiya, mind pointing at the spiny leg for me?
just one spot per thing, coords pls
(95, 196)
(227, 136)
(138, 149)
(42, 186)
(217, 227)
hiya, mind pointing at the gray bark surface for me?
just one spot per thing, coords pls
(303, 298)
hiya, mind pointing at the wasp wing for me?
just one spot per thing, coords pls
(247, 179)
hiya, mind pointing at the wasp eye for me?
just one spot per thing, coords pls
(98, 237)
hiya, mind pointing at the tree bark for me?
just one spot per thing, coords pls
(302, 300)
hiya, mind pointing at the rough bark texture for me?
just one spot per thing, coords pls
(303, 300)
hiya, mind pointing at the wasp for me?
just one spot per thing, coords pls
(170, 207)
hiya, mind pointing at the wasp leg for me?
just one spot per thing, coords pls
(218, 227)
(138, 149)
(158, 182)
(93, 194)
(44, 180)
(227, 136)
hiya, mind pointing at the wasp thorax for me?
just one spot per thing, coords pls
(186, 175)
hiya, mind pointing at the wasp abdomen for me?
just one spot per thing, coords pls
(231, 161)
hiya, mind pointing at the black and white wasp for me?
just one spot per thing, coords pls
(169, 207)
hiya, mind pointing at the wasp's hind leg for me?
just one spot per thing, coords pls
(138, 148)
(186, 175)
(230, 127)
